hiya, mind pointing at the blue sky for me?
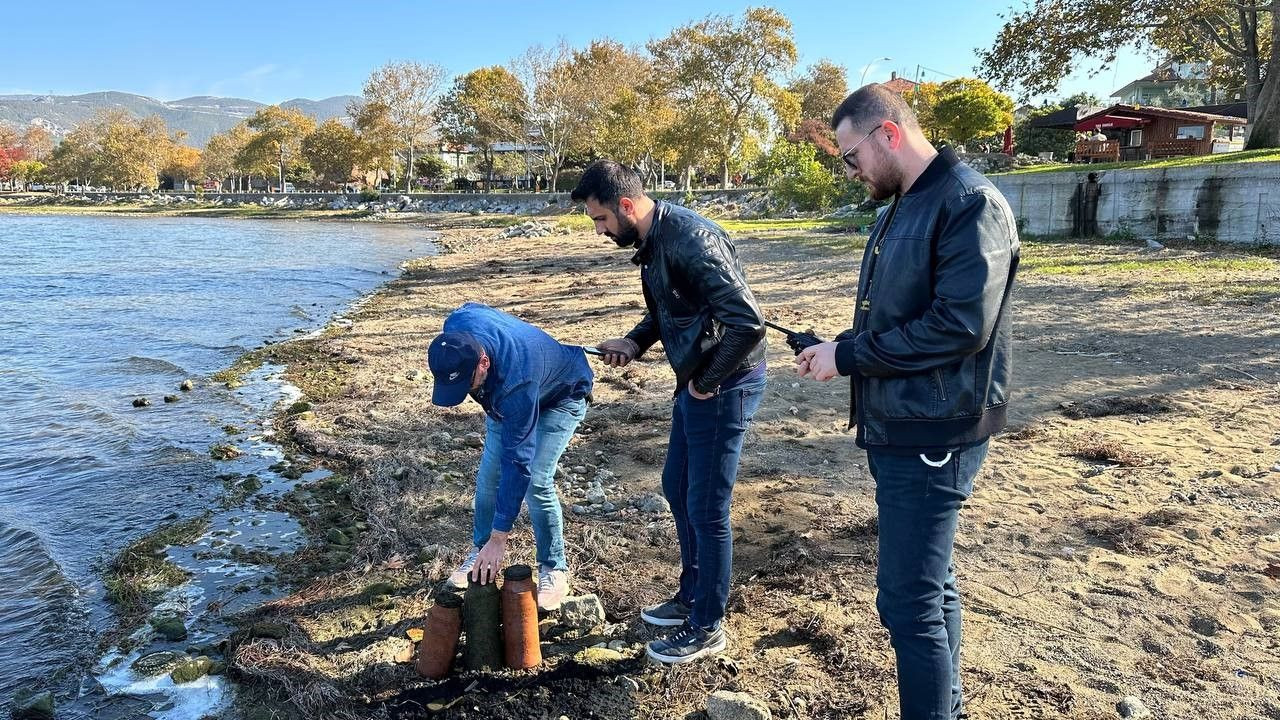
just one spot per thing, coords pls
(275, 50)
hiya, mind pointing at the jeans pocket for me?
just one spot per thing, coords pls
(940, 471)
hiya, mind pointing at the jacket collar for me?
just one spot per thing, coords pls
(936, 171)
(645, 250)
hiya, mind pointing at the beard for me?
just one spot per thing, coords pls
(889, 180)
(628, 234)
(879, 192)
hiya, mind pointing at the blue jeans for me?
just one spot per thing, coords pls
(555, 428)
(919, 504)
(697, 480)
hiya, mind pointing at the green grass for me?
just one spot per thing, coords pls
(777, 224)
(576, 222)
(1101, 265)
(1244, 156)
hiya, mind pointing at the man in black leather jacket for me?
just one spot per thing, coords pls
(699, 306)
(929, 359)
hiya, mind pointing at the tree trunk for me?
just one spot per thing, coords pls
(724, 174)
(281, 188)
(408, 183)
(555, 176)
(1264, 117)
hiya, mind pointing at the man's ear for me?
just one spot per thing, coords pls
(626, 206)
(893, 133)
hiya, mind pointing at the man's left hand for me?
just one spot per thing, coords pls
(489, 560)
(817, 362)
(697, 395)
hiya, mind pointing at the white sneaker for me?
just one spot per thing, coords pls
(553, 585)
(459, 577)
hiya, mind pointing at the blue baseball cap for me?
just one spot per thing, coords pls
(453, 357)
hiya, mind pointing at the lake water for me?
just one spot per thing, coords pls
(96, 311)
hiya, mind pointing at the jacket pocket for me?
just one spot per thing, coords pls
(941, 384)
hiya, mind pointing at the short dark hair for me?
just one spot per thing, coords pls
(608, 182)
(871, 104)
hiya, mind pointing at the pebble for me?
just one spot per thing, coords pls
(725, 705)
(653, 503)
(582, 612)
(1132, 707)
(580, 510)
(629, 684)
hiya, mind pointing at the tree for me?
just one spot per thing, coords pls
(73, 159)
(560, 97)
(377, 136)
(1034, 140)
(37, 142)
(968, 109)
(794, 176)
(729, 71)
(483, 108)
(223, 153)
(332, 151)
(10, 155)
(1042, 44)
(431, 168)
(114, 148)
(820, 90)
(409, 91)
(278, 135)
(25, 172)
(183, 164)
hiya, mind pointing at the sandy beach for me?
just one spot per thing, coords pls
(1123, 539)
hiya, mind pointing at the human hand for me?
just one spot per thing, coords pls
(619, 351)
(489, 559)
(817, 362)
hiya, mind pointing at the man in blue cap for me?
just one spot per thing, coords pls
(534, 392)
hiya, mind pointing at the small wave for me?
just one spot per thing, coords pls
(41, 617)
(138, 364)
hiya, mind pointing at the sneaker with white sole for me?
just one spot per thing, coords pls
(687, 644)
(553, 585)
(667, 614)
(459, 579)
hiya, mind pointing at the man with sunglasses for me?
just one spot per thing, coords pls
(928, 358)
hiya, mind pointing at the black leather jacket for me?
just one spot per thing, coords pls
(698, 301)
(930, 352)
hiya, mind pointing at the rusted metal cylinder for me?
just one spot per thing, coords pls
(439, 641)
(520, 618)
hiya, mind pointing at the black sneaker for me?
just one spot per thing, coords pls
(687, 644)
(667, 614)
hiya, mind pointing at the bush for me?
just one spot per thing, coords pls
(794, 176)
(567, 180)
(369, 195)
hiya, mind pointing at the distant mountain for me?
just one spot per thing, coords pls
(200, 116)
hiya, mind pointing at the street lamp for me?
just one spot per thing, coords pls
(862, 79)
